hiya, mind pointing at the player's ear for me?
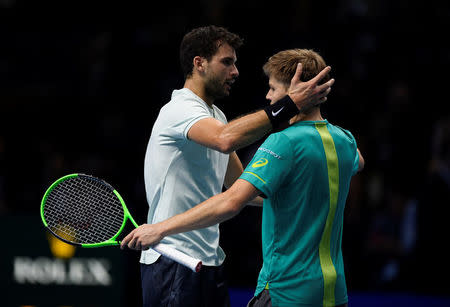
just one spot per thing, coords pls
(199, 63)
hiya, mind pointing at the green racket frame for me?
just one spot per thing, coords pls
(109, 242)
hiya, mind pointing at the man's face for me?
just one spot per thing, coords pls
(221, 72)
(277, 90)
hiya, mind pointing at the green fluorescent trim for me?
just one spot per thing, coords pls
(255, 176)
(328, 269)
(110, 242)
(125, 209)
(126, 214)
(49, 190)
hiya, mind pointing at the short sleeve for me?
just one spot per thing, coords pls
(270, 165)
(180, 115)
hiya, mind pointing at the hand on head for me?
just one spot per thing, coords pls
(307, 95)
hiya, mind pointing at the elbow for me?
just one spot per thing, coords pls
(232, 206)
(226, 145)
(361, 163)
(232, 210)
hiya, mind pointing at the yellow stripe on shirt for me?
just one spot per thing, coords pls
(255, 176)
(326, 263)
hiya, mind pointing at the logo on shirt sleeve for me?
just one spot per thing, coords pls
(270, 152)
(260, 162)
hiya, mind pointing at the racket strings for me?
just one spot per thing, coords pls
(83, 210)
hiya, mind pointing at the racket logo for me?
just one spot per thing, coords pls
(260, 162)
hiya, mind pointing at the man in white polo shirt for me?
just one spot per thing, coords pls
(191, 156)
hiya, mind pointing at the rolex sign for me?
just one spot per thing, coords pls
(39, 270)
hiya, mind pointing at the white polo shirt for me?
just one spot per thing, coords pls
(180, 174)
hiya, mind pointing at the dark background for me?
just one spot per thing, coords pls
(81, 85)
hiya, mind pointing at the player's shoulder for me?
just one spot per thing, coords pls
(277, 145)
(278, 139)
(183, 96)
(301, 131)
(345, 133)
(183, 101)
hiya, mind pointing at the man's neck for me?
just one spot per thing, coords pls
(314, 115)
(198, 88)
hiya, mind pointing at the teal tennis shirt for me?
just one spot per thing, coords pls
(304, 171)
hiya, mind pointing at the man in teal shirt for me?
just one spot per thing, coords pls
(304, 174)
(304, 171)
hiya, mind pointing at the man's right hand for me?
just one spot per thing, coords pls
(142, 237)
(307, 95)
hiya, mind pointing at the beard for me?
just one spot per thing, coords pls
(215, 89)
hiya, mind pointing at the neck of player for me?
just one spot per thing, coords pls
(313, 115)
(198, 89)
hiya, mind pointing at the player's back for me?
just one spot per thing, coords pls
(303, 218)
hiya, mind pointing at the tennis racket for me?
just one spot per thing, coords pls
(86, 211)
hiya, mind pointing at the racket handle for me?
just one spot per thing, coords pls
(177, 256)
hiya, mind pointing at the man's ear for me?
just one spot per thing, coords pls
(199, 63)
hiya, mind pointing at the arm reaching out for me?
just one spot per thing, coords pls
(217, 209)
(247, 129)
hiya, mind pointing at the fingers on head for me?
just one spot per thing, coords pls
(324, 87)
(322, 74)
(298, 72)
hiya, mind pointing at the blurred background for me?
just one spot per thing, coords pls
(81, 86)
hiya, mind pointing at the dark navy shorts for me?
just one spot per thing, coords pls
(168, 283)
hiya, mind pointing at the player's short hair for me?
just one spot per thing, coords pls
(282, 65)
(204, 42)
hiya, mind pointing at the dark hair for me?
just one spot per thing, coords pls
(204, 42)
